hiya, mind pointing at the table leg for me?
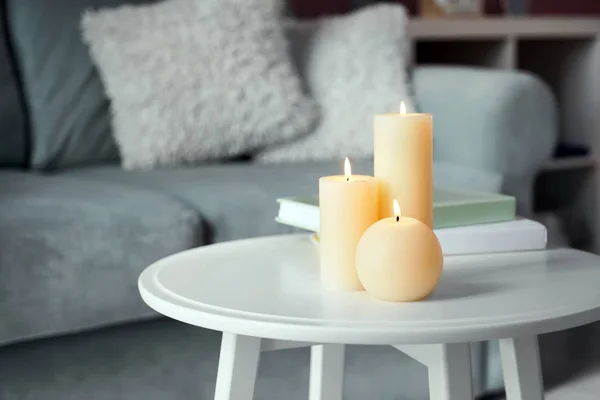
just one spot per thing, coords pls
(521, 368)
(238, 364)
(450, 373)
(326, 372)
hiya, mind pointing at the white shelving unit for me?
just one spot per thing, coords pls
(565, 53)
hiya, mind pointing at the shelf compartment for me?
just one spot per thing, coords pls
(480, 53)
(570, 163)
(570, 69)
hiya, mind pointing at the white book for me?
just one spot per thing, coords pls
(518, 235)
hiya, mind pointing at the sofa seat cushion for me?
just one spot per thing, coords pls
(71, 251)
(237, 200)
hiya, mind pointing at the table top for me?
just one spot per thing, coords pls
(269, 287)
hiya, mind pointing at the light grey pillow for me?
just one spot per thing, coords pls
(194, 80)
(355, 67)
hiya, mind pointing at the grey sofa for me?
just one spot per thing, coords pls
(74, 239)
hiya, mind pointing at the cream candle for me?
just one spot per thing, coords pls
(399, 259)
(403, 163)
(348, 206)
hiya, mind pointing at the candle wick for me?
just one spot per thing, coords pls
(348, 179)
(397, 218)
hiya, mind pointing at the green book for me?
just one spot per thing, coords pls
(451, 208)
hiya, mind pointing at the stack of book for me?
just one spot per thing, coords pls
(464, 222)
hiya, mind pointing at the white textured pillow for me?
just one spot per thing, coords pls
(355, 67)
(194, 80)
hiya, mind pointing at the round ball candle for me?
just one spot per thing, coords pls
(403, 163)
(348, 206)
(399, 259)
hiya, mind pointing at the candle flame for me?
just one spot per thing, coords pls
(396, 209)
(402, 108)
(347, 169)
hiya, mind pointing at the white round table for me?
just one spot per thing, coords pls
(264, 294)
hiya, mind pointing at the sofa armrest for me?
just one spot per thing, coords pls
(501, 121)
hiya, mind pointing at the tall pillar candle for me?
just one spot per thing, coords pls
(404, 164)
(348, 207)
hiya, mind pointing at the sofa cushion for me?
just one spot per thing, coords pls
(12, 114)
(197, 80)
(355, 67)
(69, 114)
(71, 251)
(238, 200)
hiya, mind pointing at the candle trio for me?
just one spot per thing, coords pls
(376, 232)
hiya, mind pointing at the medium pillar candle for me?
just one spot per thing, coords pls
(348, 207)
(403, 163)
